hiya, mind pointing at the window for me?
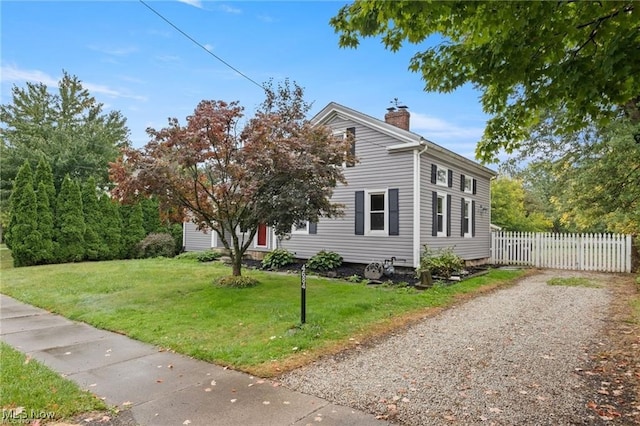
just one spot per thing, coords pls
(441, 175)
(467, 184)
(466, 218)
(301, 227)
(376, 212)
(351, 133)
(441, 214)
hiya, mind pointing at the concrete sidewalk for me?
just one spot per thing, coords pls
(159, 387)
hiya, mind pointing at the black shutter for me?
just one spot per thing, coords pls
(359, 212)
(448, 215)
(394, 212)
(450, 178)
(462, 177)
(473, 218)
(434, 173)
(462, 221)
(434, 215)
(313, 228)
(352, 131)
(474, 186)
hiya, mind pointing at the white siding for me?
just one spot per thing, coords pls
(195, 240)
(377, 169)
(478, 247)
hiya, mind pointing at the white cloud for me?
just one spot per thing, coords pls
(168, 58)
(14, 74)
(209, 47)
(194, 3)
(229, 9)
(266, 18)
(436, 128)
(114, 51)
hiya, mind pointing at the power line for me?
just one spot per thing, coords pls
(201, 46)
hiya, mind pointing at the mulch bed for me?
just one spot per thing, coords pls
(354, 272)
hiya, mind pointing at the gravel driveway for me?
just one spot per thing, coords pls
(511, 357)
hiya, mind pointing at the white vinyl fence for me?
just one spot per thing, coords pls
(584, 252)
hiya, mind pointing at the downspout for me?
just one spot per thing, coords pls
(416, 204)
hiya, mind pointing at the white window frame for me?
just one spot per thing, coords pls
(469, 189)
(367, 212)
(439, 169)
(304, 230)
(467, 218)
(442, 196)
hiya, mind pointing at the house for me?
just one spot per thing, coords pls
(403, 193)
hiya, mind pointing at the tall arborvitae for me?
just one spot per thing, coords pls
(92, 220)
(69, 223)
(23, 232)
(45, 225)
(44, 175)
(133, 229)
(151, 216)
(110, 229)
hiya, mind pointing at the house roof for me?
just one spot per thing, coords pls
(407, 140)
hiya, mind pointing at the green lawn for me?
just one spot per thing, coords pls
(173, 304)
(30, 391)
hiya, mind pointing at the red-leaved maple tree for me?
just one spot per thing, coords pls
(278, 170)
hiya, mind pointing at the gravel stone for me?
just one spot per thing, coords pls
(510, 357)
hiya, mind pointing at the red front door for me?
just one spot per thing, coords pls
(262, 235)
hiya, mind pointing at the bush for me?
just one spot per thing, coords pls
(442, 263)
(208, 256)
(277, 259)
(156, 245)
(237, 282)
(324, 261)
(188, 255)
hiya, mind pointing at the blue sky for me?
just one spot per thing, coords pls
(134, 62)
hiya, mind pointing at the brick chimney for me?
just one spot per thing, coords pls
(398, 117)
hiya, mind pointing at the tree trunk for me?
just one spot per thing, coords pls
(236, 263)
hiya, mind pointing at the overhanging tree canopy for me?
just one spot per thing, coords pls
(278, 170)
(527, 58)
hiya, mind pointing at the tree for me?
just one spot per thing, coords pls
(151, 216)
(44, 175)
(69, 128)
(599, 184)
(69, 223)
(132, 229)
(279, 170)
(23, 235)
(509, 209)
(578, 58)
(110, 229)
(45, 225)
(93, 243)
(589, 178)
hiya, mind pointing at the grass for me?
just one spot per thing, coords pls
(31, 391)
(6, 261)
(172, 303)
(573, 282)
